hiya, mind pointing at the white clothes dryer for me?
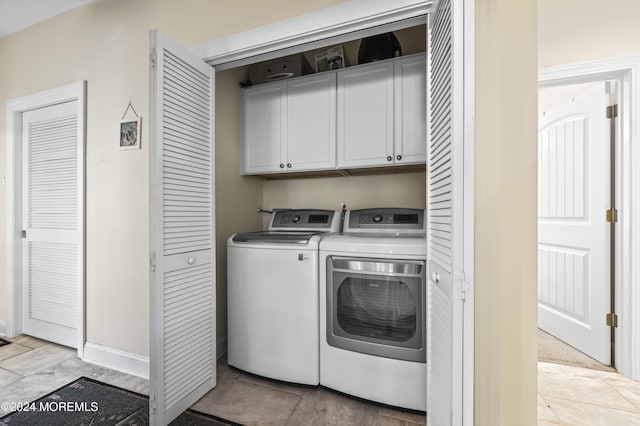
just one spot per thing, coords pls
(373, 307)
(272, 296)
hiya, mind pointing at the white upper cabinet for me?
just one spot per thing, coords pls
(264, 128)
(410, 110)
(371, 115)
(365, 115)
(290, 126)
(382, 113)
(311, 123)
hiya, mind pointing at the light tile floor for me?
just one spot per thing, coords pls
(30, 368)
(570, 395)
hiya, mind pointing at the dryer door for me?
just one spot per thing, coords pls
(376, 306)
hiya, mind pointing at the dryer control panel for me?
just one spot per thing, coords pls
(385, 220)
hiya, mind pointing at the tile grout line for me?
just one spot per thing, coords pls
(637, 411)
(13, 372)
(300, 397)
(635, 404)
(552, 410)
(17, 354)
(595, 405)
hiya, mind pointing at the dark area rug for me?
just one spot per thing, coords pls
(4, 342)
(89, 402)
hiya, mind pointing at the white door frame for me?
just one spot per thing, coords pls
(338, 23)
(15, 109)
(626, 70)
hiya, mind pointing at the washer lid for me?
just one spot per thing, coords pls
(270, 237)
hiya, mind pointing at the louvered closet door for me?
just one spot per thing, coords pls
(444, 190)
(182, 230)
(52, 249)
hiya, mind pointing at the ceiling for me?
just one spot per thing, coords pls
(16, 15)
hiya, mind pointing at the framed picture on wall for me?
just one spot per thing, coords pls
(130, 133)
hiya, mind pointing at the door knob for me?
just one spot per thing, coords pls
(399, 157)
(191, 260)
(289, 165)
(281, 166)
(435, 277)
(389, 158)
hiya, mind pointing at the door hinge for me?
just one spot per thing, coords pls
(461, 286)
(612, 320)
(24, 234)
(153, 60)
(612, 111)
(612, 215)
(152, 262)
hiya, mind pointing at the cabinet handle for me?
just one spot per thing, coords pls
(191, 260)
(389, 158)
(281, 166)
(399, 157)
(289, 165)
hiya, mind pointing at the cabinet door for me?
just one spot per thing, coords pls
(410, 110)
(311, 123)
(264, 123)
(365, 116)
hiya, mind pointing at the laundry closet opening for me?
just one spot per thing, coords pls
(272, 153)
(316, 181)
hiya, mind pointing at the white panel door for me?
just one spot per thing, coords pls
(365, 116)
(52, 218)
(573, 234)
(311, 123)
(182, 234)
(445, 189)
(264, 128)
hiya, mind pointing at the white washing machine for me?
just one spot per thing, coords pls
(373, 307)
(272, 296)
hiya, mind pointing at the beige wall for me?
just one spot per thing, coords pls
(390, 190)
(237, 197)
(106, 42)
(583, 30)
(505, 212)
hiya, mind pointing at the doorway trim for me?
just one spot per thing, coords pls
(625, 70)
(15, 109)
(324, 27)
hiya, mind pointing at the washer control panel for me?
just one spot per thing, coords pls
(305, 219)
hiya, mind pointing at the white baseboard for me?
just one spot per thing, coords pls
(221, 346)
(3, 329)
(127, 362)
(116, 359)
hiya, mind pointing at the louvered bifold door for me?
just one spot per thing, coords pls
(444, 212)
(52, 249)
(182, 230)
